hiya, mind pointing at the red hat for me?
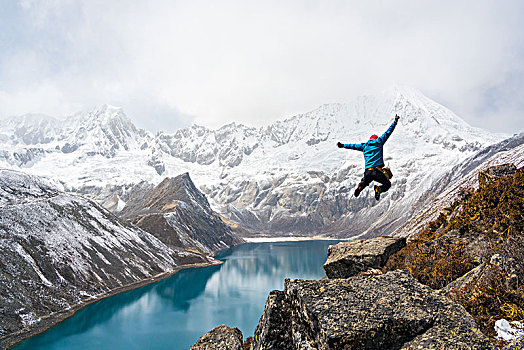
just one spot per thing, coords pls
(373, 137)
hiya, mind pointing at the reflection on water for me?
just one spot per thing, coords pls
(175, 312)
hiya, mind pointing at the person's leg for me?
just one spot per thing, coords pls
(366, 180)
(379, 176)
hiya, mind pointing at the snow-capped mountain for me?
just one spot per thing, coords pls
(285, 177)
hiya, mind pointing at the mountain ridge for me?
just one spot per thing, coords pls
(286, 177)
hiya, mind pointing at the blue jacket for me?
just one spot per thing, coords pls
(373, 148)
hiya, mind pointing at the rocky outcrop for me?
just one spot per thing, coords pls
(389, 311)
(473, 250)
(220, 338)
(347, 259)
(508, 271)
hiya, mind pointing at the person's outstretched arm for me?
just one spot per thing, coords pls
(355, 146)
(388, 132)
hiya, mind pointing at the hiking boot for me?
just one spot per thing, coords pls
(358, 190)
(377, 192)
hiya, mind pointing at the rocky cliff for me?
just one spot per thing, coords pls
(390, 311)
(59, 252)
(369, 310)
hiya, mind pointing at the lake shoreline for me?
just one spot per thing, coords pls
(270, 239)
(54, 319)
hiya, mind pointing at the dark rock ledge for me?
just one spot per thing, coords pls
(347, 259)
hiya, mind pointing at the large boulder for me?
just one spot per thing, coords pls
(389, 311)
(348, 259)
(220, 338)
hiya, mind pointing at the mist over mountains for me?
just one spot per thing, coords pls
(285, 178)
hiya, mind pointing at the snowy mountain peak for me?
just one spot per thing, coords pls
(105, 116)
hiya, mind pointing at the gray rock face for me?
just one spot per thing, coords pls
(390, 311)
(347, 259)
(220, 338)
(272, 331)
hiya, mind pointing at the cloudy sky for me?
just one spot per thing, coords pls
(173, 63)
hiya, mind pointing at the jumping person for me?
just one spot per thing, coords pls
(374, 162)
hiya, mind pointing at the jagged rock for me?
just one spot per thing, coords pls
(220, 338)
(495, 172)
(272, 331)
(390, 311)
(498, 269)
(462, 282)
(347, 259)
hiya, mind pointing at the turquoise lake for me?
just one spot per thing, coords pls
(175, 312)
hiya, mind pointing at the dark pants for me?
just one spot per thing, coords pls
(375, 175)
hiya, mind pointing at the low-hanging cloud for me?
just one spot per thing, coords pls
(173, 63)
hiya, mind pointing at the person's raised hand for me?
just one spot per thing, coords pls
(396, 118)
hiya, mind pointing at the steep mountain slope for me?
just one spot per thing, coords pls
(59, 251)
(464, 175)
(287, 177)
(178, 214)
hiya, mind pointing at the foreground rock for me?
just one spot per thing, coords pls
(390, 311)
(273, 331)
(347, 259)
(220, 338)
